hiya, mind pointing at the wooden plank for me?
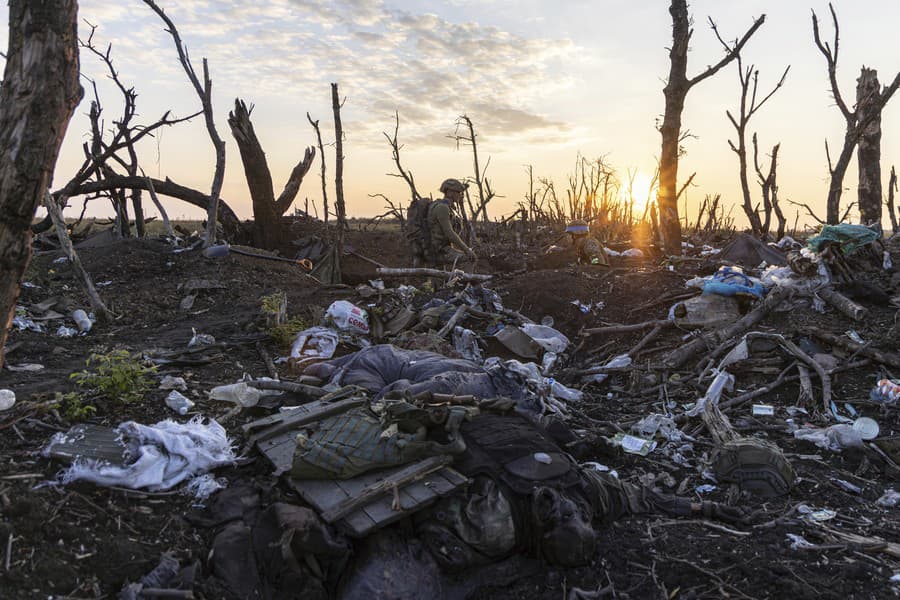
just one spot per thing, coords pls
(317, 492)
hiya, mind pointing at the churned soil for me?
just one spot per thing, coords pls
(86, 541)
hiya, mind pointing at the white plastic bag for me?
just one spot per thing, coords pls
(315, 343)
(240, 393)
(547, 338)
(346, 316)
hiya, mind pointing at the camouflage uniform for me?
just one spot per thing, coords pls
(590, 250)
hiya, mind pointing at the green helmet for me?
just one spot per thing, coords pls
(453, 185)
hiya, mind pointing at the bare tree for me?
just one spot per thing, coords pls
(340, 207)
(402, 173)
(39, 94)
(868, 109)
(892, 188)
(204, 92)
(675, 91)
(768, 184)
(315, 125)
(749, 79)
(268, 231)
(465, 133)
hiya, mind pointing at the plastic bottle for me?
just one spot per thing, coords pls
(82, 320)
(178, 402)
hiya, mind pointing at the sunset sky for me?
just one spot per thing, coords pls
(542, 81)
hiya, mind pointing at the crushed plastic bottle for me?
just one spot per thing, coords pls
(890, 499)
(178, 402)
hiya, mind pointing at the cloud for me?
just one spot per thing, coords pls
(428, 67)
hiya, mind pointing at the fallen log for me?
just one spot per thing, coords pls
(885, 358)
(423, 272)
(842, 303)
(612, 329)
(685, 353)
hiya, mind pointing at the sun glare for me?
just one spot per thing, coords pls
(639, 190)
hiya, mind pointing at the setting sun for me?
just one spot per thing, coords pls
(639, 188)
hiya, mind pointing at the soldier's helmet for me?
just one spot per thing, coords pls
(578, 227)
(453, 185)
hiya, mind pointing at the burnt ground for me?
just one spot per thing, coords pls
(84, 541)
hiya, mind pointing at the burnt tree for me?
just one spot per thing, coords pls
(677, 87)
(39, 94)
(867, 110)
(749, 79)
(268, 231)
(868, 153)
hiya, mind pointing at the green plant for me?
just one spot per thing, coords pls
(117, 376)
(283, 335)
(72, 406)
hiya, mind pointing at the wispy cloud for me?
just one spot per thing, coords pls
(427, 67)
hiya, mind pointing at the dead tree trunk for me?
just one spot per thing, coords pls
(204, 92)
(675, 92)
(892, 187)
(339, 205)
(315, 125)
(769, 186)
(868, 155)
(39, 94)
(267, 210)
(856, 122)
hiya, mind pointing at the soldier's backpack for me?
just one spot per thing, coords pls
(418, 236)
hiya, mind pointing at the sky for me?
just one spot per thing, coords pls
(543, 82)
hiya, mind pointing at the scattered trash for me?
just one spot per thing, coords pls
(22, 323)
(890, 499)
(617, 362)
(178, 402)
(173, 383)
(547, 338)
(200, 339)
(346, 316)
(82, 320)
(836, 437)
(588, 307)
(26, 367)
(315, 343)
(867, 428)
(66, 332)
(846, 486)
(816, 515)
(204, 486)
(650, 425)
(798, 542)
(850, 333)
(240, 393)
(705, 488)
(162, 455)
(518, 342)
(766, 410)
(634, 445)
(887, 391)
(706, 310)
(7, 399)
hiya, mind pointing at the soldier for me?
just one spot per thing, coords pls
(446, 244)
(587, 248)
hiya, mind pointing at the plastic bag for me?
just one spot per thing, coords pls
(240, 393)
(346, 316)
(623, 360)
(315, 343)
(835, 438)
(548, 338)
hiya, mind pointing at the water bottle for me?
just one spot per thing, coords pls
(82, 320)
(178, 402)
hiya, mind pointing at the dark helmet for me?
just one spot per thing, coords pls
(578, 227)
(453, 185)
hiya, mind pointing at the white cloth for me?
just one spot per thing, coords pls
(165, 455)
